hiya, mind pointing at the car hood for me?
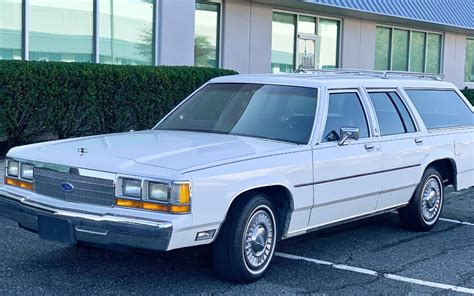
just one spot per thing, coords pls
(174, 150)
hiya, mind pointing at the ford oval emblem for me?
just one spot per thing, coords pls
(67, 187)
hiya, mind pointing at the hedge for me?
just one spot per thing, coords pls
(48, 100)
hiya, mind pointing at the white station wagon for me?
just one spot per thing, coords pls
(249, 160)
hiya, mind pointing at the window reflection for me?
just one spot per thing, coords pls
(469, 73)
(283, 42)
(10, 30)
(433, 56)
(307, 43)
(61, 30)
(383, 41)
(126, 32)
(329, 32)
(206, 38)
(407, 50)
(315, 40)
(417, 54)
(400, 50)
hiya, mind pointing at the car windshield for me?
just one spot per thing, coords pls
(276, 112)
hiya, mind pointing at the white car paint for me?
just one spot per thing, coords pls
(221, 167)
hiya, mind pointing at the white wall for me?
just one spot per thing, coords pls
(454, 59)
(358, 44)
(176, 32)
(246, 36)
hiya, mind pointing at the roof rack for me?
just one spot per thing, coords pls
(374, 73)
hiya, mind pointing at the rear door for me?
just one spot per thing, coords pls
(346, 179)
(402, 147)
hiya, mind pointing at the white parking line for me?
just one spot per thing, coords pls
(376, 273)
(446, 220)
(456, 221)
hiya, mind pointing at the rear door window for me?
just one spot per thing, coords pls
(441, 108)
(392, 115)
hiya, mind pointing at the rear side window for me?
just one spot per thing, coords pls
(392, 115)
(441, 108)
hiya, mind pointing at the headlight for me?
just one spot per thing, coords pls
(168, 197)
(132, 188)
(26, 171)
(158, 191)
(13, 168)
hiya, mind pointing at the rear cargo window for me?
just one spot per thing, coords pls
(441, 108)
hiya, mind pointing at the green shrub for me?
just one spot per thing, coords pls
(469, 93)
(62, 100)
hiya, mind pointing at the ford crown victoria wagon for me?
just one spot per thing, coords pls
(249, 160)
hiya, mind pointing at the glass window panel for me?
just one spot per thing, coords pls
(328, 30)
(417, 52)
(283, 42)
(126, 32)
(306, 46)
(10, 29)
(390, 122)
(433, 54)
(345, 110)
(441, 108)
(61, 30)
(403, 111)
(469, 77)
(307, 24)
(206, 37)
(400, 50)
(253, 110)
(383, 39)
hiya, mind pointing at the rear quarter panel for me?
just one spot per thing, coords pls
(455, 144)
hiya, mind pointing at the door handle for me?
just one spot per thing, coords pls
(369, 147)
(419, 141)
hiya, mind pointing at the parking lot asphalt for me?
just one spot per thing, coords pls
(372, 256)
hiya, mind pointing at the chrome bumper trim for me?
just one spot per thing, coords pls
(88, 227)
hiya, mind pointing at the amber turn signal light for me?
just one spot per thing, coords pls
(137, 204)
(18, 183)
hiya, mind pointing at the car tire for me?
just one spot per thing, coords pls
(246, 241)
(424, 208)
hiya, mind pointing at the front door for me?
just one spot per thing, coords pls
(347, 180)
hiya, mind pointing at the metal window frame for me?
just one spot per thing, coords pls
(96, 32)
(317, 17)
(25, 35)
(425, 49)
(25, 29)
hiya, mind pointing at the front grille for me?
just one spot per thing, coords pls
(89, 190)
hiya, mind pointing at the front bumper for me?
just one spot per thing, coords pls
(96, 229)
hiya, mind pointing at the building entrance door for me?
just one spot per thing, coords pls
(308, 51)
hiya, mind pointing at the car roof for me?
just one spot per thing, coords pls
(338, 80)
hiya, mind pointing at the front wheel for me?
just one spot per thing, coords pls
(423, 211)
(246, 243)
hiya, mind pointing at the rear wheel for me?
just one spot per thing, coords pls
(246, 242)
(423, 211)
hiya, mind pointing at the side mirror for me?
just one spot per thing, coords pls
(348, 133)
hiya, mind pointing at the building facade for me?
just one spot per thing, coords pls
(249, 36)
